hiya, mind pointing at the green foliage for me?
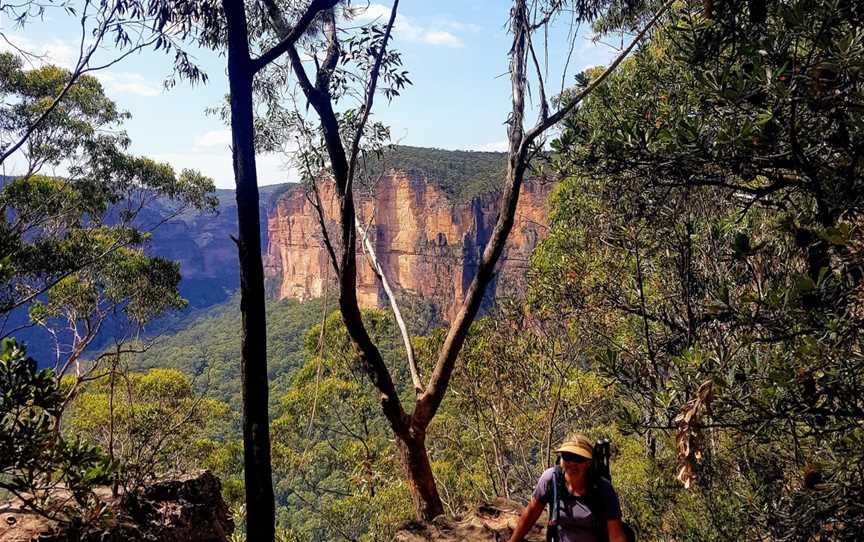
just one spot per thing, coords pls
(78, 241)
(708, 247)
(51, 475)
(153, 424)
(523, 385)
(337, 470)
(209, 347)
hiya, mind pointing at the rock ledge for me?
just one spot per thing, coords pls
(188, 509)
(489, 522)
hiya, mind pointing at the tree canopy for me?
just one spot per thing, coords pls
(708, 242)
(73, 245)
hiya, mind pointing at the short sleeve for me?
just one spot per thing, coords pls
(610, 499)
(543, 491)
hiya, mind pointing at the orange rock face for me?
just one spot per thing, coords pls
(427, 245)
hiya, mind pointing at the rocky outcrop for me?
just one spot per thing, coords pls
(491, 522)
(188, 509)
(428, 244)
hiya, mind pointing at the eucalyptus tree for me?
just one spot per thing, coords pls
(343, 132)
(73, 245)
(119, 22)
(252, 43)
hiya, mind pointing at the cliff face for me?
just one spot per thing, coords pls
(201, 243)
(427, 244)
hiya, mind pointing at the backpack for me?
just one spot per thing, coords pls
(599, 469)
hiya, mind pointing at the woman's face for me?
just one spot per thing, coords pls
(575, 465)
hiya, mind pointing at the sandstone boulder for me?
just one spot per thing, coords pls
(188, 509)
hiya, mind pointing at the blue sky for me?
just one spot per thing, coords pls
(455, 52)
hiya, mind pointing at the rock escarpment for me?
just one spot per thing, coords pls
(201, 243)
(428, 244)
(188, 509)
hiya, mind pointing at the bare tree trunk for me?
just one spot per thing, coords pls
(421, 482)
(260, 506)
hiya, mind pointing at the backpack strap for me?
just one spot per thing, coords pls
(556, 479)
(552, 528)
(597, 504)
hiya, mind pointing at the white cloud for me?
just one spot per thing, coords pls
(408, 29)
(60, 53)
(214, 138)
(442, 38)
(127, 83)
(271, 167)
(457, 26)
(54, 51)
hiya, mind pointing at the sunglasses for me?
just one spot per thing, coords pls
(573, 458)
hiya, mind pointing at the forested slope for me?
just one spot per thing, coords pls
(461, 175)
(208, 348)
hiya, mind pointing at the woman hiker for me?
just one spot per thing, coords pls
(587, 508)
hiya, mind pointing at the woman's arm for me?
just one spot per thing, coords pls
(528, 519)
(616, 530)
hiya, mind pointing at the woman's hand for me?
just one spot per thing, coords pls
(528, 519)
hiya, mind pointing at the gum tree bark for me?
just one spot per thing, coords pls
(260, 506)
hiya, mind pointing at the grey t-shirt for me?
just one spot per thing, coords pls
(574, 516)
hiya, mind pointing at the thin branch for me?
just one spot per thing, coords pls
(391, 297)
(319, 354)
(289, 36)
(306, 86)
(319, 210)
(370, 93)
(544, 103)
(544, 124)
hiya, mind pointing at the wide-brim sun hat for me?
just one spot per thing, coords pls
(578, 445)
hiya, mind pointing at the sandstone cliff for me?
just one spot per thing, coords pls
(427, 242)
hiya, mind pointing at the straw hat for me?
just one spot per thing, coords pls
(577, 444)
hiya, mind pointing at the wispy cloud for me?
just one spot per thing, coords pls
(442, 38)
(60, 53)
(214, 138)
(438, 33)
(128, 83)
(458, 26)
(36, 54)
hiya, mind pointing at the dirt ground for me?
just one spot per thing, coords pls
(491, 522)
